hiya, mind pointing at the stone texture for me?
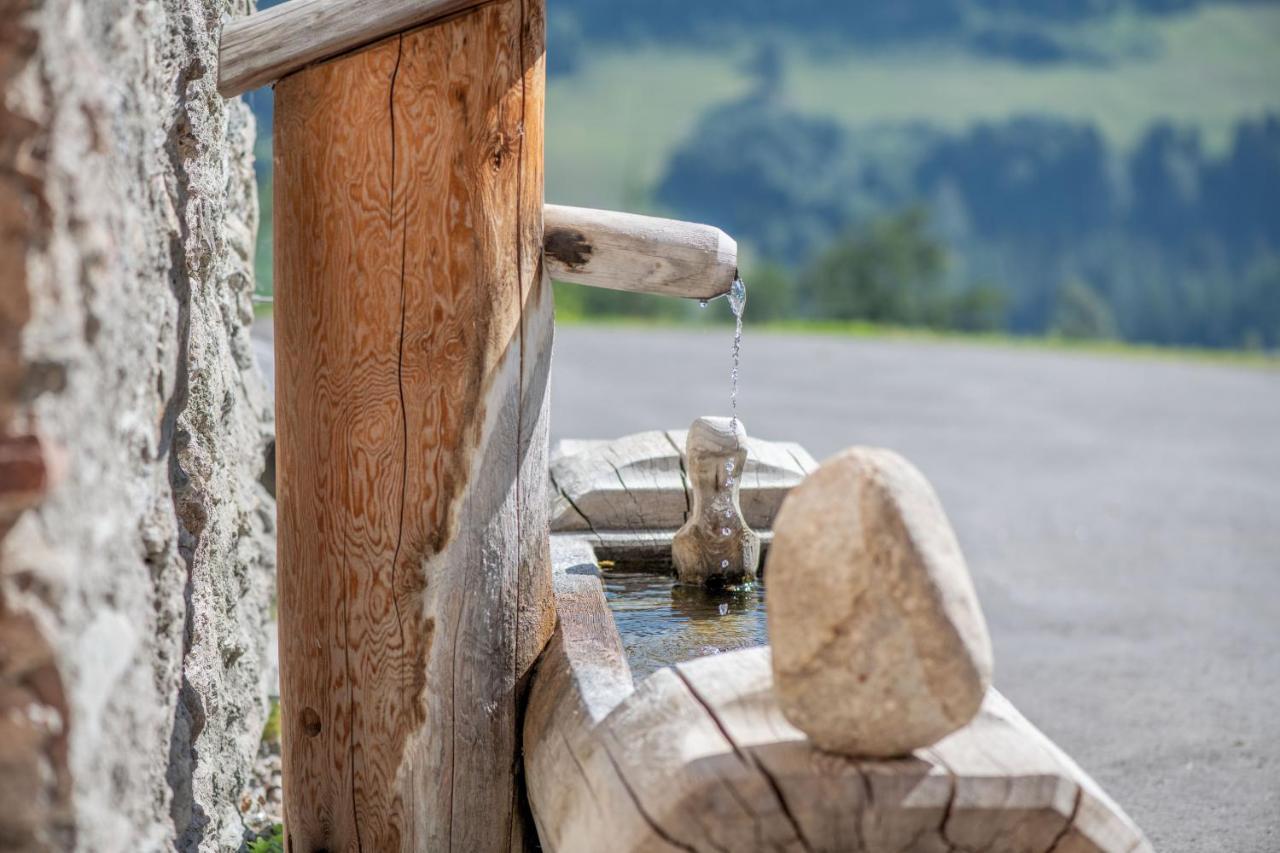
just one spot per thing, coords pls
(879, 646)
(134, 584)
(715, 546)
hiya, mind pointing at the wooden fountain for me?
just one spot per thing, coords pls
(446, 671)
(698, 756)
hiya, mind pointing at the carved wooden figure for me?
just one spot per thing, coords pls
(715, 546)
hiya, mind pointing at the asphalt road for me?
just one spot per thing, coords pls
(1121, 517)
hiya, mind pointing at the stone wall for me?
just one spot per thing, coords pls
(136, 543)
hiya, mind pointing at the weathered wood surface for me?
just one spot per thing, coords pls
(715, 547)
(629, 496)
(266, 46)
(412, 347)
(581, 677)
(699, 758)
(641, 254)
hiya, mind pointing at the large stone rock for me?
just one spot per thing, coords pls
(879, 646)
(136, 565)
(715, 546)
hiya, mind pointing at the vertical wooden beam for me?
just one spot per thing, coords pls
(413, 336)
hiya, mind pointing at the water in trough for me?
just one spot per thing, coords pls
(662, 622)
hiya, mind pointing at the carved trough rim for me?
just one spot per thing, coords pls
(698, 757)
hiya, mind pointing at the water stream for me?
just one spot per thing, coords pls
(737, 297)
(662, 622)
(737, 302)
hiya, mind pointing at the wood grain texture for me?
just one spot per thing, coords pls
(263, 47)
(641, 254)
(582, 676)
(413, 336)
(629, 496)
(700, 758)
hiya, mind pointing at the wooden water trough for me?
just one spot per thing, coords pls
(431, 660)
(699, 757)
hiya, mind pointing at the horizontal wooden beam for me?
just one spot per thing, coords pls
(641, 254)
(263, 47)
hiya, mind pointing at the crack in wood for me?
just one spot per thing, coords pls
(801, 465)
(572, 505)
(868, 803)
(404, 411)
(684, 475)
(640, 809)
(952, 847)
(639, 513)
(638, 527)
(708, 827)
(1071, 820)
(577, 762)
(749, 760)
(517, 714)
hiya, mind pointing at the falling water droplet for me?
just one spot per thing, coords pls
(738, 295)
(702, 303)
(724, 531)
(728, 466)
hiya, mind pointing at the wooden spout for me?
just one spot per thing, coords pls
(640, 254)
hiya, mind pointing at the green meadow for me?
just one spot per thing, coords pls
(612, 124)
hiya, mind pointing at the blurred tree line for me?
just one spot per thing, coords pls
(1010, 29)
(1032, 224)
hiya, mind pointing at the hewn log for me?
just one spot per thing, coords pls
(638, 481)
(641, 254)
(582, 676)
(629, 496)
(413, 336)
(267, 46)
(700, 758)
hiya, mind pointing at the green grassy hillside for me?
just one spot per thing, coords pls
(613, 122)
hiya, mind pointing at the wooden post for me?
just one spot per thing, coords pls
(413, 343)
